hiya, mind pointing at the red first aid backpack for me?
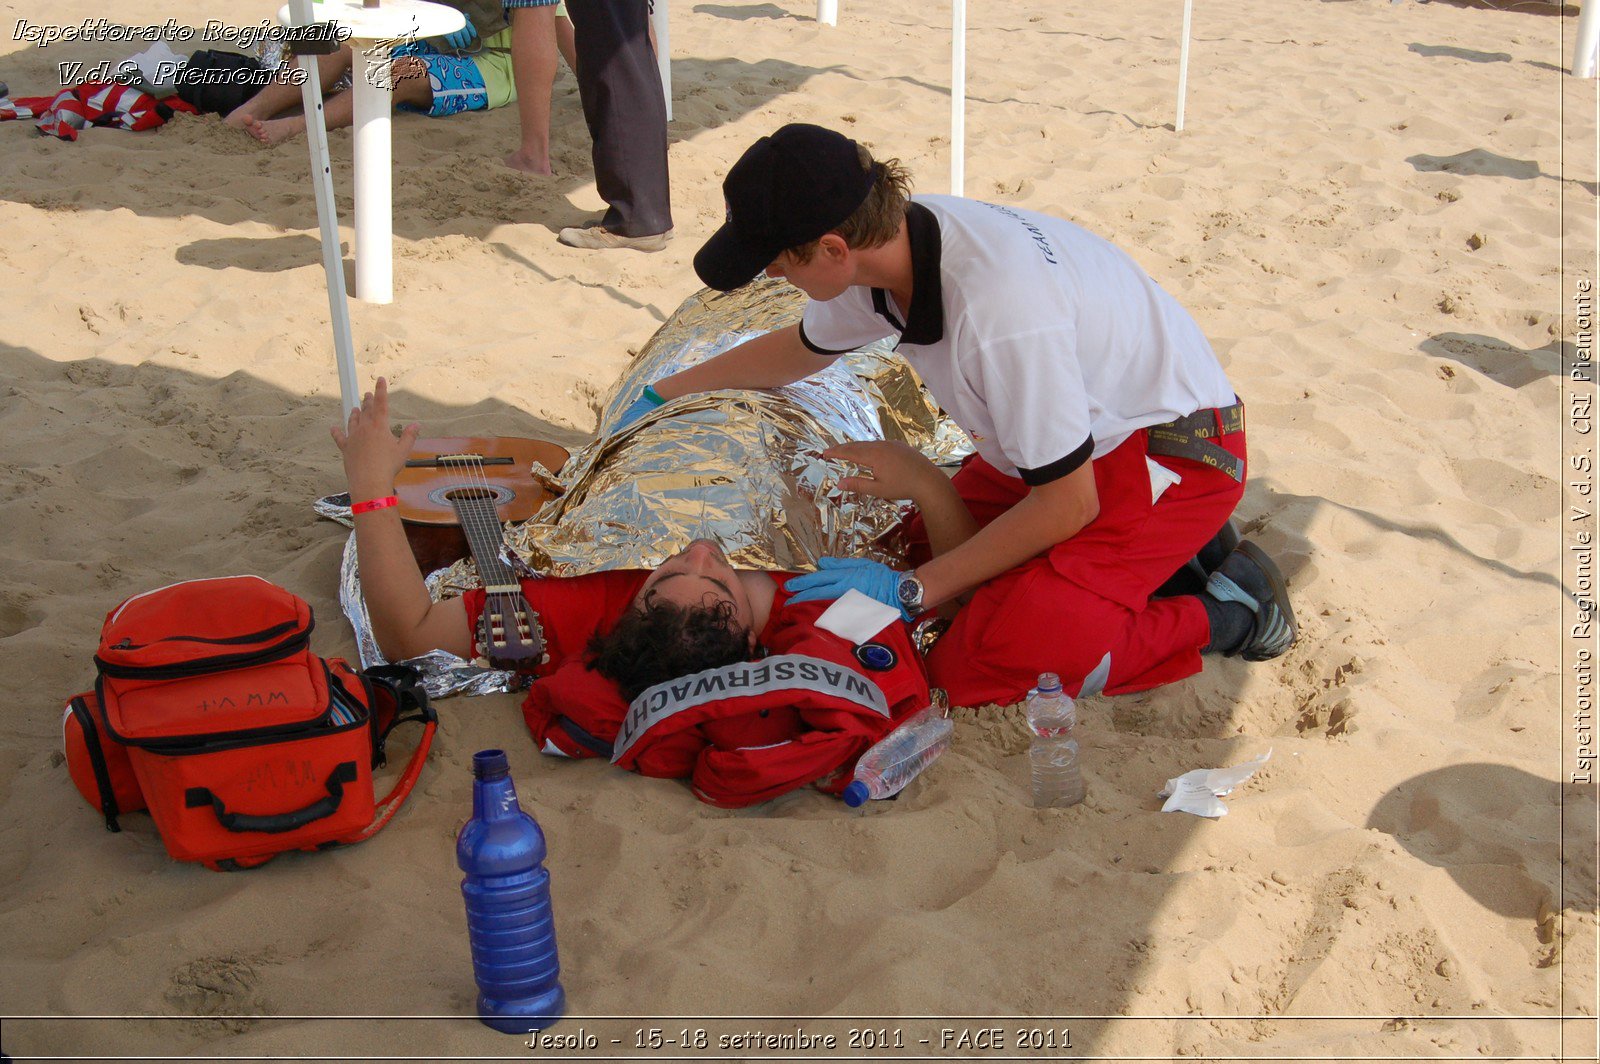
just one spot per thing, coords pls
(211, 711)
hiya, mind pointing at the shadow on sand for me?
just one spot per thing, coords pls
(1508, 364)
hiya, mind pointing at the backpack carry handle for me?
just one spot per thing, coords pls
(277, 823)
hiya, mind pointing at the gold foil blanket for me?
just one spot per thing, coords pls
(743, 468)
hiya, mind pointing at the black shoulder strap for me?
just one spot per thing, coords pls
(404, 685)
(97, 760)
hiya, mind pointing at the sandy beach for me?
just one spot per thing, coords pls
(1380, 214)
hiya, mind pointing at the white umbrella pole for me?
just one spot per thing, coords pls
(828, 12)
(1183, 64)
(958, 96)
(1583, 53)
(372, 107)
(658, 18)
(328, 217)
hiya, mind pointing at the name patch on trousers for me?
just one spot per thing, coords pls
(781, 672)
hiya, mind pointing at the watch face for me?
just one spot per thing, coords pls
(910, 590)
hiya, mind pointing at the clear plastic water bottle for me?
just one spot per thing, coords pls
(507, 891)
(1052, 716)
(895, 760)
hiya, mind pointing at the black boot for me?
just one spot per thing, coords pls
(1190, 579)
(1248, 603)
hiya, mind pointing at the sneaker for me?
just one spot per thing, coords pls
(1250, 578)
(599, 238)
(1190, 579)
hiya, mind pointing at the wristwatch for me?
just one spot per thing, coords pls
(909, 592)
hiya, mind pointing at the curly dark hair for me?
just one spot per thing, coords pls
(662, 641)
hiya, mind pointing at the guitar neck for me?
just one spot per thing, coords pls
(510, 633)
(480, 521)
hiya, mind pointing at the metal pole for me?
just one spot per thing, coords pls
(1583, 53)
(958, 96)
(327, 218)
(1183, 64)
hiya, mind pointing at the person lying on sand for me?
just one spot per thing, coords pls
(614, 636)
(472, 69)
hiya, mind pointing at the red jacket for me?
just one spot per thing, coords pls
(743, 733)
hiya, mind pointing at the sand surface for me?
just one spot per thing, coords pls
(1367, 213)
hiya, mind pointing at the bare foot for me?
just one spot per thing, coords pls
(529, 163)
(275, 130)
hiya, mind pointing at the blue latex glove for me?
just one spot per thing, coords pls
(641, 406)
(463, 36)
(835, 576)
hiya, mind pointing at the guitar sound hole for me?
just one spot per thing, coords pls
(442, 496)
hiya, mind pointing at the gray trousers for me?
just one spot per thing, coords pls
(627, 115)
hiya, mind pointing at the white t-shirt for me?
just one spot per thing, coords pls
(1046, 343)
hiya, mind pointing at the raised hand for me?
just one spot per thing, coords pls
(373, 454)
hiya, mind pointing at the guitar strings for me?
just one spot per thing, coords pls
(490, 529)
(482, 496)
(476, 489)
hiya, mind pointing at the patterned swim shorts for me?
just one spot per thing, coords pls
(456, 81)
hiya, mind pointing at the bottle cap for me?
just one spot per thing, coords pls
(856, 794)
(1049, 681)
(490, 765)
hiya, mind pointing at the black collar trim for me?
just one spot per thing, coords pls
(924, 322)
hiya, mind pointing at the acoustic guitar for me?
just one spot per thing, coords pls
(456, 493)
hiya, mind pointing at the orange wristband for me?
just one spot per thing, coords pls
(374, 504)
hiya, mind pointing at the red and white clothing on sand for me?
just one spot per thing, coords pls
(94, 103)
(742, 734)
(1052, 348)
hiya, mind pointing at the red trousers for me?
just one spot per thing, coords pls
(1083, 608)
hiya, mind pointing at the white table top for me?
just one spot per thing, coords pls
(393, 19)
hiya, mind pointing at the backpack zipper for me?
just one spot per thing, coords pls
(216, 663)
(250, 637)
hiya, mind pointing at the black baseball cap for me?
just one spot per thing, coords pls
(786, 190)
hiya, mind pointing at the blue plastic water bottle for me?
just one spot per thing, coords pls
(507, 892)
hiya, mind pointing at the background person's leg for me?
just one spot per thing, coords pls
(411, 87)
(281, 94)
(567, 42)
(533, 67)
(626, 113)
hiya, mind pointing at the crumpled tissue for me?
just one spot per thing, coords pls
(1201, 790)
